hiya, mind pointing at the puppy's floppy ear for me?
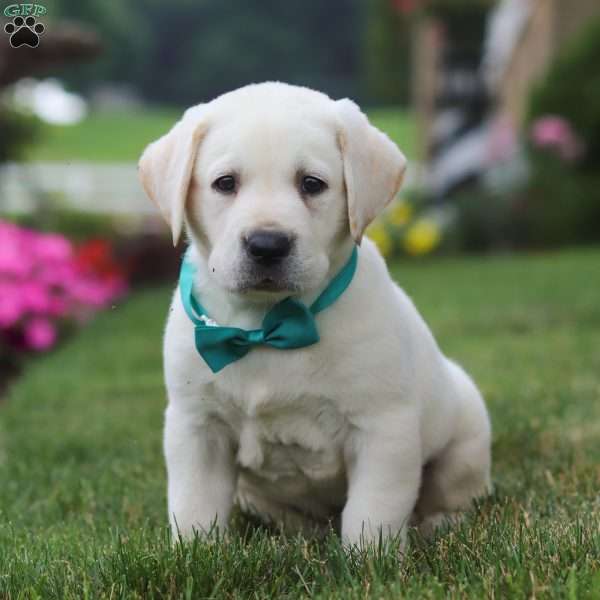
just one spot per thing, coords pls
(165, 168)
(373, 166)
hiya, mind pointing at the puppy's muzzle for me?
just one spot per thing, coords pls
(268, 247)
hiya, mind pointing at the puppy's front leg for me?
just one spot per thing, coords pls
(384, 475)
(201, 474)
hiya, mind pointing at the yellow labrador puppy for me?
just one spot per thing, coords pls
(301, 413)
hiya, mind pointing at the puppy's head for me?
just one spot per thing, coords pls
(272, 182)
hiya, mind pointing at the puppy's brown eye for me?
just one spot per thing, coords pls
(225, 184)
(312, 186)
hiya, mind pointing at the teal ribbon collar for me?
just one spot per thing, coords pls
(289, 324)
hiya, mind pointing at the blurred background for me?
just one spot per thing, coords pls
(495, 103)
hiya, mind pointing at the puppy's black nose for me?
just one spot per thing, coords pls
(268, 247)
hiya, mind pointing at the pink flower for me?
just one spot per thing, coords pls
(554, 133)
(52, 247)
(58, 306)
(43, 282)
(11, 304)
(91, 292)
(39, 334)
(15, 260)
(35, 296)
(57, 274)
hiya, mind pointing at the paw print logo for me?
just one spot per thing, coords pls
(24, 32)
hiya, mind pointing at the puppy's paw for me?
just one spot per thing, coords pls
(438, 521)
(183, 530)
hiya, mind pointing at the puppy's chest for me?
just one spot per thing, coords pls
(275, 441)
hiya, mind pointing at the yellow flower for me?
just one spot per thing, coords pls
(382, 239)
(400, 213)
(422, 237)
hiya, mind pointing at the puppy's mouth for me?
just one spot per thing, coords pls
(267, 281)
(268, 284)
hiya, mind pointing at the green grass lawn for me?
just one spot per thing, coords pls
(121, 136)
(400, 125)
(82, 484)
(104, 136)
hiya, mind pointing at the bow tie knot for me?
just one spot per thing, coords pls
(289, 324)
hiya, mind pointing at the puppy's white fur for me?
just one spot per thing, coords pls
(372, 422)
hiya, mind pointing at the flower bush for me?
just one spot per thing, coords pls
(403, 229)
(560, 205)
(47, 284)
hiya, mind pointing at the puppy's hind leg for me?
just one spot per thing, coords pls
(460, 473)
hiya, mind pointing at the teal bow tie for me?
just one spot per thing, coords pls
(289, 324)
